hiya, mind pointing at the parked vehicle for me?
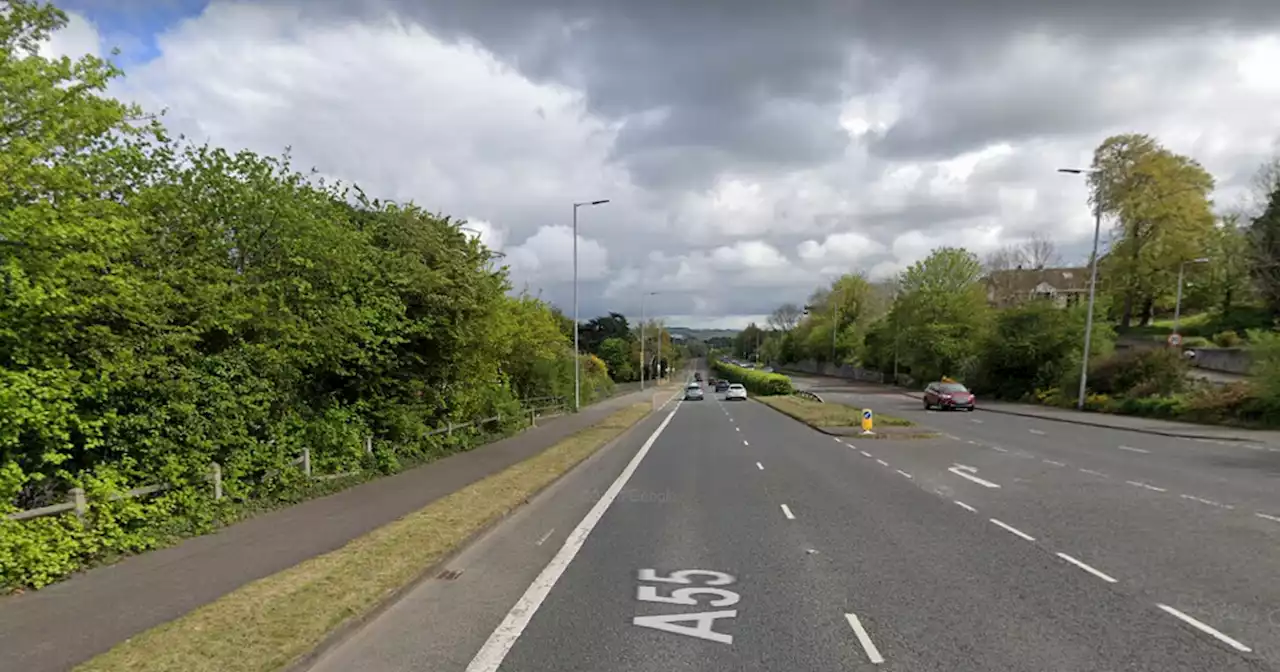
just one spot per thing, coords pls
(736, 392)
(693, 392)
(948, 396)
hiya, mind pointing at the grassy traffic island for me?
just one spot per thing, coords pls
(845, 420)
(271, 623)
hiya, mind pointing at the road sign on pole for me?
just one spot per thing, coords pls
(1175, 339)
(866, 419)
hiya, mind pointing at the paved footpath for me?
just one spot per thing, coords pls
(55, 628)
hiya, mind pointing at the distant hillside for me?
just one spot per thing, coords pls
(703, 334)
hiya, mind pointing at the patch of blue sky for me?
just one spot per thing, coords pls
(133, 25)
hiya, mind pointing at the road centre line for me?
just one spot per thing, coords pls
(1204, 628)
(873, 654)
(786, 511)
(975, 421)
(1010, 528)
(759, 466)
(744, 442)
(1056, 464)
(1086, 568)
(1095, 473)
(998, 449)
(966, 507)
(490, 656)
(1268, 517)
(865, 453)
(1144, 485)
(1134, 450)
(903, 473)
(882, 463)
(1036, 432)
(1210, 502)
(737, 429)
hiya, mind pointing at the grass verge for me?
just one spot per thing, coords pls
(268, 624)
(828, 414)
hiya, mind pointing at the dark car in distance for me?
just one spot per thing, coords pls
(948, 396)
(722, 386)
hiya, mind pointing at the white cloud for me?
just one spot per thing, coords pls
(547, 256)
(78, 38)
(388, 103)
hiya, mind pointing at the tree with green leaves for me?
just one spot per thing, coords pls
(1161, 203)
(941, 313)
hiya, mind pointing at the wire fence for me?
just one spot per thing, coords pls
(76, 501)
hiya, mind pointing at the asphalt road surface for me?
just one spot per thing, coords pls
(725, 536)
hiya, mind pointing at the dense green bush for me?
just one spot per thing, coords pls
(164, 306)
(1227, 339)
(756, 382)
(1139, 373)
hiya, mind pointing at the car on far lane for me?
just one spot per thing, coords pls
(948, 396)
(693, 392)
(736, 391)
(722, 385)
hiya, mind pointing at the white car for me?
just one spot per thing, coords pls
(736, 391)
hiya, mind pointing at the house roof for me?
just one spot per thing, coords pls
(1026, 281)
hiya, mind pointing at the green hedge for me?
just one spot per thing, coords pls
(756, 382)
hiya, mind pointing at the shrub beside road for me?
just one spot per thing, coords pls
(270, 623)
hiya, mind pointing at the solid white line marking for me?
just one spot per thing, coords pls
(545, 537)
(1134, 450)
(1095, 473)
(903, 473)
(1204, 628)
(966, 507)
(1013, 529)
(1267, 517)
(1210, 502)
(975, 479)
(786, 511)
(865, 453)
(490, 656)
(998, 449)
(873, 654)
(1056, 464)
(759, 466)
(883, 463)
(1036, 432)
(1086, 568)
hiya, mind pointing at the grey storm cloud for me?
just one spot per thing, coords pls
(719, 121)
(758, 83)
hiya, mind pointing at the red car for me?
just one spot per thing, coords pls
(948, 397)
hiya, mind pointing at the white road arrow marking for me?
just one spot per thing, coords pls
(967, 473)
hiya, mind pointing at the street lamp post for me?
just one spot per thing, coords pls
(1093, 285)
(577, 363)
(644, 364)
(1177, 306)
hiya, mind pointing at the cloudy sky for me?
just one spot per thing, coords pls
(751, 149)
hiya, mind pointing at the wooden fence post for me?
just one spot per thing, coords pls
(82, 506)
(306, 462)
(216, 477)
(368, 444)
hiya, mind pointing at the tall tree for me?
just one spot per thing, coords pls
(941, 313)
(1161, 202)
(1265, 236)
(785, 317)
